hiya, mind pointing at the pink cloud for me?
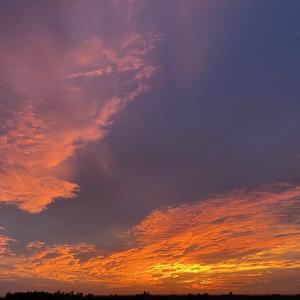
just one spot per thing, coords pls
(59, 98)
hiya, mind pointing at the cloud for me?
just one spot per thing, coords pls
(61, 88)
(4, 240)
(92, 73)
(7, 259)
(234, 241)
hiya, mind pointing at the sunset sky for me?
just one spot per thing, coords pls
(150, 145)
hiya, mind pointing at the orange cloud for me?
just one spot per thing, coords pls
(4, 243)
(7, 258)
(59, 98)
(231, 242)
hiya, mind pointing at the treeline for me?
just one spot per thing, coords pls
(145, 295)
(46, 296)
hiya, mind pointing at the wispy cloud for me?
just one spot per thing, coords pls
(3, 243)
(60, 95)
(212, 245)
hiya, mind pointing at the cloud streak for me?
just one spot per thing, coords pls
(62, 92)
(234, 241)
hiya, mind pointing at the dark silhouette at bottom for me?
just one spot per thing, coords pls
(145, 295)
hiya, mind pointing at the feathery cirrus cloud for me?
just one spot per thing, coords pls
(60, 90)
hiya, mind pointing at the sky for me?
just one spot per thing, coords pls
(150, 145)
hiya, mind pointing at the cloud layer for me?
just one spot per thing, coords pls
(239, 241)
(61, 88)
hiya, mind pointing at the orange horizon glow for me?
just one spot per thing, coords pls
(197, 247)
